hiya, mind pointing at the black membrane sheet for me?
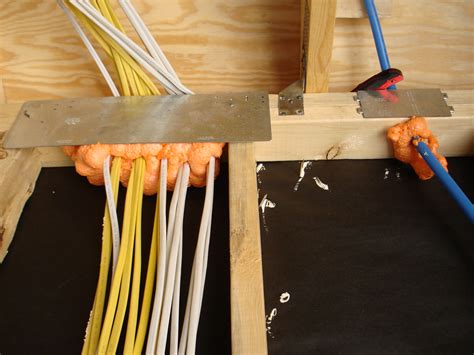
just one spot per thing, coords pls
(379, 264)
(373, 265)
(48, 279)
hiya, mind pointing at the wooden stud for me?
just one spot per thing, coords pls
(247, 300)
(19, 169)
(318, 49)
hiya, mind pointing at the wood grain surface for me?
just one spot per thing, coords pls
(319, 47)
(330, 120)
(240, 45)
(19, 169)
(332, 129)
(246, 273)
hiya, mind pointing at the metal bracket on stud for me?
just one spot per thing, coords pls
(290, 100)
(403, 103)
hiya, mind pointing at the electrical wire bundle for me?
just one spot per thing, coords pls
(154, 313)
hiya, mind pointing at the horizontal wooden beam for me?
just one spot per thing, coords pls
(332, 129)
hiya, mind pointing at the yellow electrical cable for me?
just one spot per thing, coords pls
(137, 188)
(107, 10)
(135, 293)
(149, 283)
(133, 81)
(110, 46)
(99, 300)
(109, 14)
(105, 41)
(122, 68)
(114, 290)
(94, 325)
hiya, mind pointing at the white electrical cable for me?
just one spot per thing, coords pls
(146, 36)
(172, 262)
(161, 69)
(170, 230)
(112, 214)
(174, 333)
(200, 264)
(161, 262)
(90, 48)
(171, 85)
(208, 234)
(172, 214)
(95, 16)
(169, 236)
(210, 181)
(196, 289)
(184, 330)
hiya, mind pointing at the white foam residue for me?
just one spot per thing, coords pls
(260, 167)
(320, 184)
(303, 167)
(284, 297)
(397, 174)
(266, 203)
(268, 321)
(387, 172)
(272, 315)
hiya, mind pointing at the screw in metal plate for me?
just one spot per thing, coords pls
(451, 109)
(299, 111)
(282, 113)
(445, 96)
(282, 98)
(290, 101)
(299, 97)
(359, 110)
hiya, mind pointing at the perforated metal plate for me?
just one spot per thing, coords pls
(403, 103)
(240, 117)
(291, 100)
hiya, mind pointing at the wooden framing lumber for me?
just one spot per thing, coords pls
(330, 121)
(248, 310)
(332, 129)
(317, 49)
(19, 169)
